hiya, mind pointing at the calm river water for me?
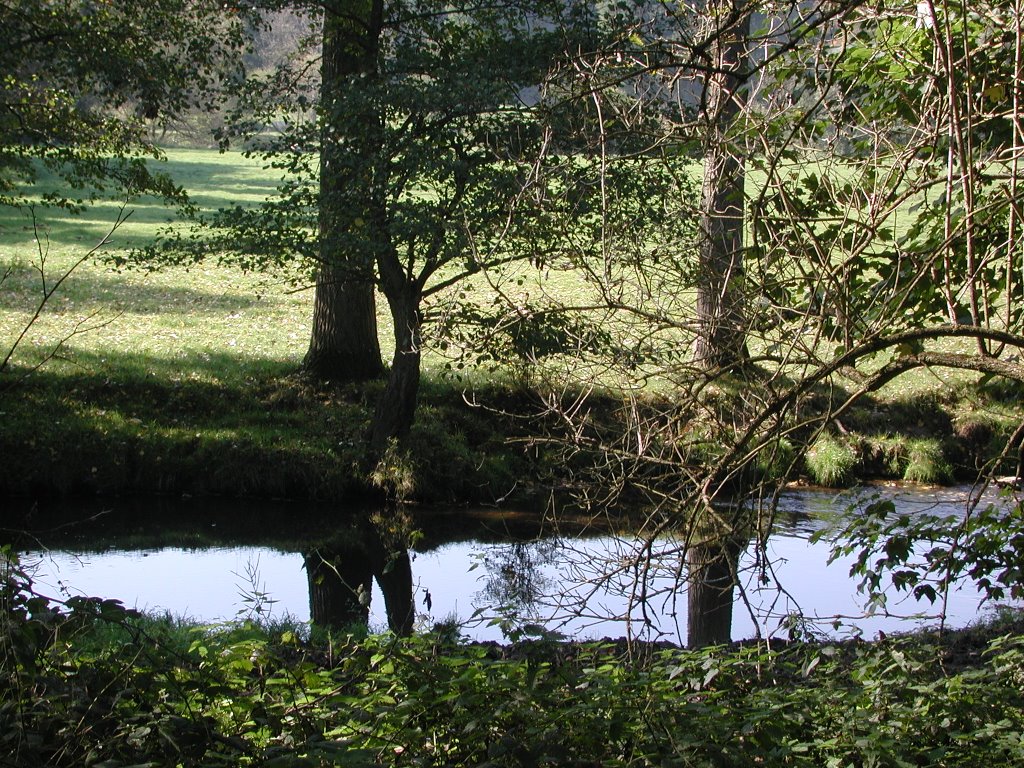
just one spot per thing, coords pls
(218, 568)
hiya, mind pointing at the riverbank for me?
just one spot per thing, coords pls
(113, 430)
(268, 435)
(183, 380)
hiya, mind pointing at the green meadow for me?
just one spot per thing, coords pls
(175, 320)
(182, 379)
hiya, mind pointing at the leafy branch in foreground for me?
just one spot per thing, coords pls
(928, 554)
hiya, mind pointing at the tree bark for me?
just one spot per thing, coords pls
(396, 408)
(710, 592)
(344, 345)
(721, 334)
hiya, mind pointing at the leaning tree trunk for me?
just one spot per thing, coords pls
(344, 344)
(711, 567)
(721, 337)
(396, 408)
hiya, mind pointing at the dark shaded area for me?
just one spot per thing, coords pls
(217, 425)
(78, 436)
(97, 290)
(289, 526)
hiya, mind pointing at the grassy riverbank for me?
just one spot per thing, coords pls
(132, 427)
(120, 430)
(98, 685)
(184, 381)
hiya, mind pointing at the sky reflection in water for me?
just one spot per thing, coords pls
(459, 579)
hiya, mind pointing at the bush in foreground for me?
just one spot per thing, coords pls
(91, 683)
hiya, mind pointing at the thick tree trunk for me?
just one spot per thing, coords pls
(721, 336)
(344, 343)
(710, 591)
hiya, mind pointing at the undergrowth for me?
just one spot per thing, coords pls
(90, 683)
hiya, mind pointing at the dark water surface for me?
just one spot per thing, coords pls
(215, 562)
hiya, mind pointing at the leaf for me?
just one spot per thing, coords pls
(810, 665)
(710, 675)
(996, 92)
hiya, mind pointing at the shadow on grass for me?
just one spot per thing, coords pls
(21, 292)
(211, 185)
(205, 386)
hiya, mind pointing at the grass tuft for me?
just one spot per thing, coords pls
(926, 462)
(831, 462)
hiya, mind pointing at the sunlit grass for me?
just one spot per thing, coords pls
(175, 314)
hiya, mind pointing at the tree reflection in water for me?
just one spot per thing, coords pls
(340, 572)
(515, 586)
(665, 588)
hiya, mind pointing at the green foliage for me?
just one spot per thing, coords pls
(831, 461)
(85, 84)
(459, 454)
(111, 689)
(915, 460)
(394, 473)
(926, 554)
(776, 461)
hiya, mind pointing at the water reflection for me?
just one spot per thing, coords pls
(582, 587)
(341, 570)
(515, 582)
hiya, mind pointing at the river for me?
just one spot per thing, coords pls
(488, 578)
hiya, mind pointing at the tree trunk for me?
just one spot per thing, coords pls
(396, 408)
(721, 336)
(710, 591)
(344, 344)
